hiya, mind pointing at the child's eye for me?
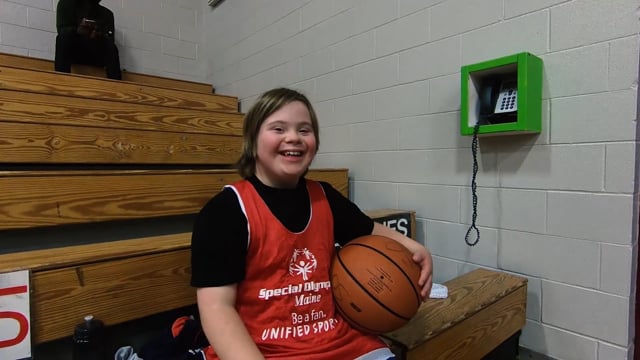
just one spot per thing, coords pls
(305, 131)
(278, 129)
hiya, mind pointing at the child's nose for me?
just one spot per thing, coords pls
(292, 136)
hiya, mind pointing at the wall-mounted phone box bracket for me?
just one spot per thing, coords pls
(503, 95)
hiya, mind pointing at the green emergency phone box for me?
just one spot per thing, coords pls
(503, 96)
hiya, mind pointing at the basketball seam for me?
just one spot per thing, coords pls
(351, 320)
(373, 297)
(415, 292)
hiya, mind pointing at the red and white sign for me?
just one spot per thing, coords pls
(15, 332)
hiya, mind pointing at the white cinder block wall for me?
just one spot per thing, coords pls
(158, 37)
(384, 75)
(559, 208)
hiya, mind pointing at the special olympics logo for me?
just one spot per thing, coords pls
(303, 262)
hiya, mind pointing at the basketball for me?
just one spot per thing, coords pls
(375, 284)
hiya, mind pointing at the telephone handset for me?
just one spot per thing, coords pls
(498, 101)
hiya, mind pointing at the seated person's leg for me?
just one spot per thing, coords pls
(112, 61)
(66, 49)
(86, 52)
(106, 54)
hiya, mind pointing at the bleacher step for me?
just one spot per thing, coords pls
(47, 82)
(94, 71)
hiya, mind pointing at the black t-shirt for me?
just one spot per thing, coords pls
(220, 233)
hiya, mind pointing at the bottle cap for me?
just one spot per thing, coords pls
(90, 327)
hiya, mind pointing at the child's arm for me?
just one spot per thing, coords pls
(222, 324)
(421, 255)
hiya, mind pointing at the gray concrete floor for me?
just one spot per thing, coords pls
(526, 354)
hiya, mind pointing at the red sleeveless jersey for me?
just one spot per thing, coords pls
(285, 299)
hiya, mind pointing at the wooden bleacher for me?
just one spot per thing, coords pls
(81, 151)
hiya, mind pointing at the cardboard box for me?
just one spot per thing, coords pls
(403, 221)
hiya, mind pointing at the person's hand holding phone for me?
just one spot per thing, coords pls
(88, 28)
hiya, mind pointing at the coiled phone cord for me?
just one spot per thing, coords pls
(474, 188)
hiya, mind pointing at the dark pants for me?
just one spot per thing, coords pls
(72, 48)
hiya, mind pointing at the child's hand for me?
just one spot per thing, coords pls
(422, 257)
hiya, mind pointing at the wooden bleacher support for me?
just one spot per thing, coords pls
(79, 151)
(484, 309)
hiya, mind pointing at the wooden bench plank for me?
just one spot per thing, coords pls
(53, 109)
(45, 198)
(338, 178)
(94, 71)
(478, 335)
(36, 143)
(166, 82)
(114, 291)
(26, 62)
(56, 258)
(483, 309)
(45, 82)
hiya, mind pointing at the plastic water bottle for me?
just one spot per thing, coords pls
(88, 340)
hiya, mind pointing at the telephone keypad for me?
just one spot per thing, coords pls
(507, 100)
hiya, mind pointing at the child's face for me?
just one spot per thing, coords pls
(285, 146)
